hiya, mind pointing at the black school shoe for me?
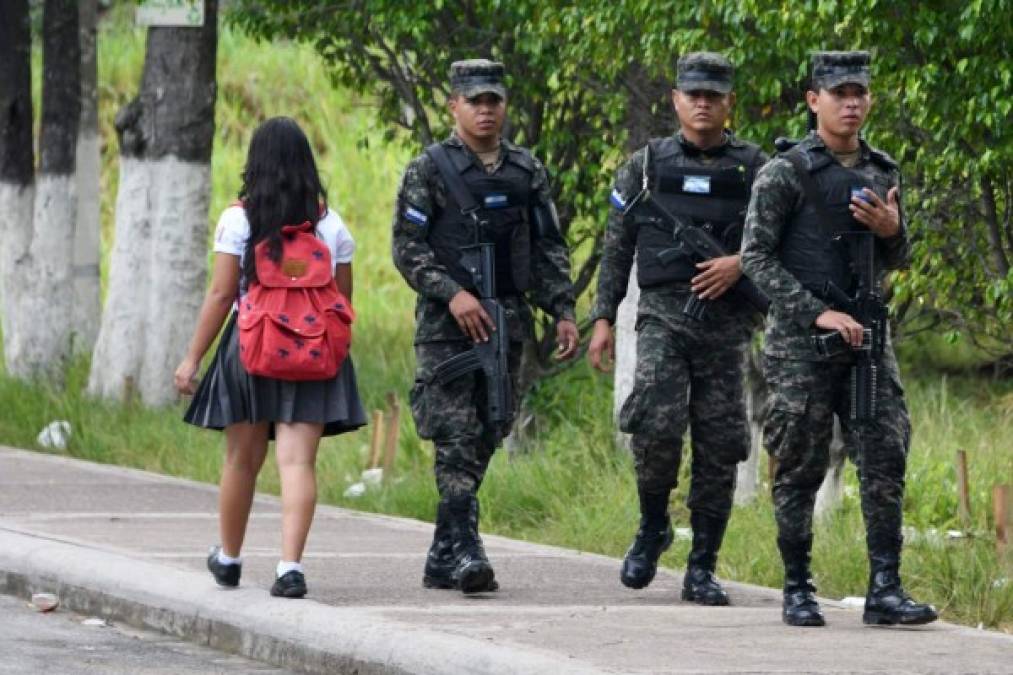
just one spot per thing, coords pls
(291, 584)
(226, 576)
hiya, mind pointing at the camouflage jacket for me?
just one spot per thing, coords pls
(777, 196)
(422, 190)
(666, 301)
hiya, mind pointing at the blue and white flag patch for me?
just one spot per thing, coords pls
(700, 185)
(497, 201)
(416, 216)
(617, 200)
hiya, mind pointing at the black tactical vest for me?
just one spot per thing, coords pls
(712, 197)
(812, 248)
(503, 198)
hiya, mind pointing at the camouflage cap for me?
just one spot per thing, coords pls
(477, 76)
(832, 69)
(706, 71)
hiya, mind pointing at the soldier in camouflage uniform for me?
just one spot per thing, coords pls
(689, 371)
(789, 251)
(516, 213)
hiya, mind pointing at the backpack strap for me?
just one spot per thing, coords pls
(462, 195)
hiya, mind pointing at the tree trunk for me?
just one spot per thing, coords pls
(159, 264)
(87, 240)
(626, 352)
(17, 172)
(831, 493)
(747, 476)
(41, 339)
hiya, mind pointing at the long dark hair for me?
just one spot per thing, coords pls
(281, 186)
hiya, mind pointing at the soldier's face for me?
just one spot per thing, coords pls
(840, 110)
(480, 116)
(701, 110)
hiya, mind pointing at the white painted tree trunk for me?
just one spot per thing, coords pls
(16, 204)
(179, 238)
(747, 474)
(156, 278)
(119, 349)
(87, 245)
(831, 493)
(159, 262)
(626, 352)
(41, 340)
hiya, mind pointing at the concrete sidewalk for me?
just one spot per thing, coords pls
(130, 546)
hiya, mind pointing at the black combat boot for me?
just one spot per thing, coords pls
(653, 538)
(886, 603)
(472, 571)
(440, 561)
(699, 584)
(800, 606)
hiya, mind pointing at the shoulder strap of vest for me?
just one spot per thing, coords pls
(812, 193)
(462, 195)
(884, 160)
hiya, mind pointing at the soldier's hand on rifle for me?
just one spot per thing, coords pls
(471, 316)
(882, 218)
(842, 323)
(717, 276)
(602, 351)
(567, 339)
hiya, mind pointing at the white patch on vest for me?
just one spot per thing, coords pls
(700, 185)
(496, 201)
(415, 216)
(616, 199)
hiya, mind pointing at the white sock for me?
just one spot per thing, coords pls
(228, 560)
(286, 567)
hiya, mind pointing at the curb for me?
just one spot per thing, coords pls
(305, 635)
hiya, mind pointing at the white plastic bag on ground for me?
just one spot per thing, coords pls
(54, 435)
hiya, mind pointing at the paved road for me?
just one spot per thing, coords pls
(131, 544)
(57, 643)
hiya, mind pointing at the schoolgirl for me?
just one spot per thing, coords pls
(281, 187)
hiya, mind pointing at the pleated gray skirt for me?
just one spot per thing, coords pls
(228, 395)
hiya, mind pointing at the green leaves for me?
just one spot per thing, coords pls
(579, 71)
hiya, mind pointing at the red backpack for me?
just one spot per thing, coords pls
(294, 323)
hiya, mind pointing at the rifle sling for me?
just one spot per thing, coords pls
(452, 178)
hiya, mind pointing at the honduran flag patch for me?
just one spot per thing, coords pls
(415, 216)
(617, 200)
(496, 201)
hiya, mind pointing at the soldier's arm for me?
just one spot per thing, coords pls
(620, 242)
(551, 289)
(896, 250)
(777, 193)
(413, 214)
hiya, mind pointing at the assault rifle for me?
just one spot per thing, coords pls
(701, 245)
(479, 260)
(868, 309)
(489, 357)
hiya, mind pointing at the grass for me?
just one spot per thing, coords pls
(573, 488)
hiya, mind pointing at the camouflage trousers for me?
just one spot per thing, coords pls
(804, 397)
(689, 374)
(452, 415)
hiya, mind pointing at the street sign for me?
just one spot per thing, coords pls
(179, 13)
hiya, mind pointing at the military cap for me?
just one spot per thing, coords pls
(832, 69)
(706, 71)
(477, 76)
